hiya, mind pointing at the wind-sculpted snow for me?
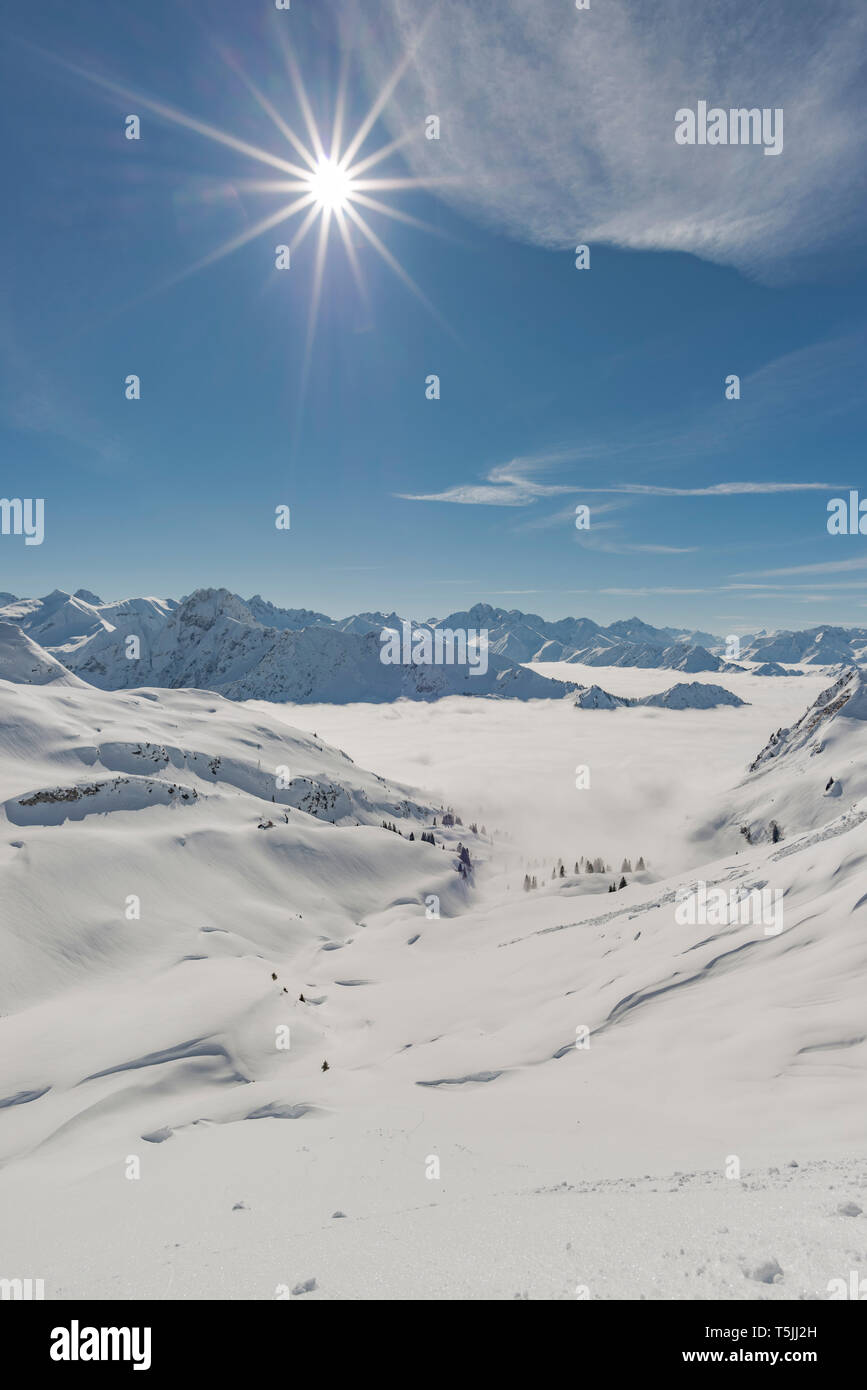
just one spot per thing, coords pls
(154, 955)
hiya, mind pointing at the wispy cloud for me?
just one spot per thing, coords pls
(643, 591)
(857, 562)
(559, 124)
(512, 485)
(507, 485)
(564, 516)
(714, 490)
(637, 548)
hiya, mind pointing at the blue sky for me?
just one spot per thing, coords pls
(558, 386)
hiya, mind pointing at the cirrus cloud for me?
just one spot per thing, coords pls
(559, 123)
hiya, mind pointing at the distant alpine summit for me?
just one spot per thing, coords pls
(252, 649)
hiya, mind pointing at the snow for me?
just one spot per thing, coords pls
(792, 778)
(684, 695)
(813, 646)
(594, 697)
(693, 695)
(448, 1037)
(680, 656)
(24, 661)
(213, 640)
(254, 649)
(772, 668)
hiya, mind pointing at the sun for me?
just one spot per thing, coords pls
(331, 185)
(329, 188)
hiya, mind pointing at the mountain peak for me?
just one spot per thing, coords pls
(203, 607)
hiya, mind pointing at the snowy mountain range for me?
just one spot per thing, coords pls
(213, 640)
(252, 649)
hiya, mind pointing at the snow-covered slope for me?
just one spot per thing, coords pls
(25, 663)
(54, 619)
(805, 775)
(772, 668)
(644, 634)
(594, 697)
(680, 656)
(269, 615)
(217, 820)
(369, 622)
(61, 621)
(692, 695)
(177, 975)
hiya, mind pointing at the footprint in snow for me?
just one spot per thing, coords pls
(768, 1272)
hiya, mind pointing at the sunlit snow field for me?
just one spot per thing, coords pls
(511, 764)
(458, 1145)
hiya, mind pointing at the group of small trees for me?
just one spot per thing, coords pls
(598, 866)
(390, 825)
(589, 866)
